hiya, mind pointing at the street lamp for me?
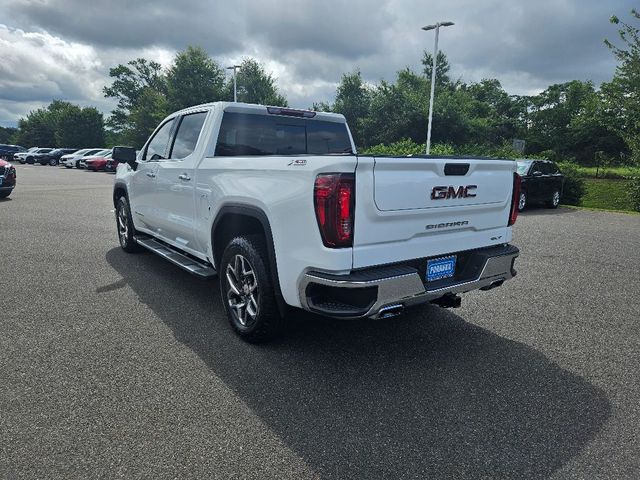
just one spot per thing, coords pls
(435, 27)
(235, 91)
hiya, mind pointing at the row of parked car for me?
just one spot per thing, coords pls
(90, 158)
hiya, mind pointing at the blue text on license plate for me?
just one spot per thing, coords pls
(439, 268)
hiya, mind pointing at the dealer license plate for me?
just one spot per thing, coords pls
(439, 268)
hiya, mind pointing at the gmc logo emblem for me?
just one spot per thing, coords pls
(441, 193)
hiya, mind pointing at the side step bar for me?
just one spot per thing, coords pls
(190, 264)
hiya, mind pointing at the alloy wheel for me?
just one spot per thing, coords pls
(123, 227)
(243, 290)
(522, 201)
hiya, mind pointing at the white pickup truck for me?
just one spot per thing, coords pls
(278, 202)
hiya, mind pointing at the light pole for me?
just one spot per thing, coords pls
(433, 75)
(235, 90)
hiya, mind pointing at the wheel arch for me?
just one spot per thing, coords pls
(233, 220)
(119, 189)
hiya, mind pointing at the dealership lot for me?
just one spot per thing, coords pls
(123, 366)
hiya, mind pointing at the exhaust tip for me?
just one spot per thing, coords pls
(495, 284)
(390, 311)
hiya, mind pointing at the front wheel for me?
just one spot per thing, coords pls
(124, 224)
(247, 290)
(522, 201)
(53, 162)
(5, 194)
(555, 200)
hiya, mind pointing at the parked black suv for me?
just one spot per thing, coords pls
(7, 151)
(542, 182)
(53, 157)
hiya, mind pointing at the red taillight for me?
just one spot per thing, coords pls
(513, 215)
(334, 199)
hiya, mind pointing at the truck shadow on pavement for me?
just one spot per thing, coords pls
(542, 210)
(426, 395)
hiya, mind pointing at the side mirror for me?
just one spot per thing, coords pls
(125, 155)
(537, 173)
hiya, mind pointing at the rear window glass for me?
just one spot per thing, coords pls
(523, 167)
(247, 134)
(548, 168)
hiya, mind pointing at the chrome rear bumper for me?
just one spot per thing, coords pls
(391, 288)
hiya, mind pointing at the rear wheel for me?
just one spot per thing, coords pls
(522, 201)
(124, 224)
(555, 200)
(53, 162)
(247, 290)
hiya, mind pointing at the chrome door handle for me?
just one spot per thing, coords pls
(184, 177)
(151, 174)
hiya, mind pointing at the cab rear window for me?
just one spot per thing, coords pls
(251, 134)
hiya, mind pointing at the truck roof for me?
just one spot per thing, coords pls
(255, 108)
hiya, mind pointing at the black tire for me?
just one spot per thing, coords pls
(522, 201)
(124, 225)
(255, 289)
(5, 194)
(555, 200)
(53, 162)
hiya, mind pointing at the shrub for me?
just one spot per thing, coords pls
(406, 147)
(574, 187)
(634, 193)
(442, 149)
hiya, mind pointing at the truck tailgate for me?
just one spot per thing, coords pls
(408, 208)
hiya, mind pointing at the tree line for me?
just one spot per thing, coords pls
(570, 121)
(61, 124)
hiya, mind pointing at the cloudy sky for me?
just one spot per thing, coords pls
(63, 49)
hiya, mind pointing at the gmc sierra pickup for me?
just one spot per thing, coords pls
(278, 203)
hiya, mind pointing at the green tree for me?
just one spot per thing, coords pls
(551, 117)
(80, 127)
(255, 85)
(442, 69)
(129, 82)
(36, 129)
(397, 110)
(150, 110)
(7, 134)
(353, 101)
(194, 78)
(61, 124)
(622, 94)
(495, 112)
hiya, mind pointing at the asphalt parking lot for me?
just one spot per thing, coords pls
(123, 366)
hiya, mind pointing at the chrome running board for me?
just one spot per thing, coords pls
(190, 264)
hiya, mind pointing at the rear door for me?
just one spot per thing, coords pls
(536, 182)
(408, 208)
(174, 195)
